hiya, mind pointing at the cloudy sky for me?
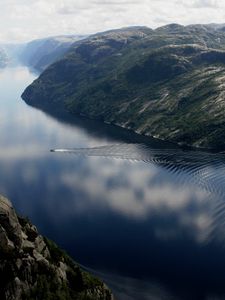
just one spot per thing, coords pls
(23, 20)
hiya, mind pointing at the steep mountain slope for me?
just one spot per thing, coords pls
(39, 54)
(32, 267)
(168, 82)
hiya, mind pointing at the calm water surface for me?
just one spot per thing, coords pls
(151, 228)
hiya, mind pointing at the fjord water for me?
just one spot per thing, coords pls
(151, 224)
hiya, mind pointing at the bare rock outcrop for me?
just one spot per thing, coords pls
(32, 267)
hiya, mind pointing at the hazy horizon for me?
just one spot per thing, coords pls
(88, 34)
(24, 20)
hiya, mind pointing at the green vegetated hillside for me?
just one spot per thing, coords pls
(168, 82)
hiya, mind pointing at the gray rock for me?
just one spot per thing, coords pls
(31, 232)
(6, 246)
(40, 259)
(32, 267)
(9, 221)
(41, 247)
(28, 246)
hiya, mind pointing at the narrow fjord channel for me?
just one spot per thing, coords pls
(152, 225)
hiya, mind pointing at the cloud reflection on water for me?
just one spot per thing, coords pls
(129, 217)
(140, 194)
(132, 190)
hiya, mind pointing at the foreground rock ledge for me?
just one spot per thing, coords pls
(32, 267)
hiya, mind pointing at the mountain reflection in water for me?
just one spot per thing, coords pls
(152, 229)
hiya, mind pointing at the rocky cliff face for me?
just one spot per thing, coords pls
(32, 267)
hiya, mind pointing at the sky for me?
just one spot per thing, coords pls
(24, 20)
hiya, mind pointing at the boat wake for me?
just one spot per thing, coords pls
(198, 168)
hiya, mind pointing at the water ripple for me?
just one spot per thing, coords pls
(205, 169)
(202, 169)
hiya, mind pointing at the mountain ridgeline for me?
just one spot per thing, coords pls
(39, 54)
(168, 83)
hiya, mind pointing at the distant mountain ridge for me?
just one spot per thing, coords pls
(168, 82)
(3, 58)
(39, 54)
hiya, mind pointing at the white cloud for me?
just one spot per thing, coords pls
(25, 20)
(205, 3)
